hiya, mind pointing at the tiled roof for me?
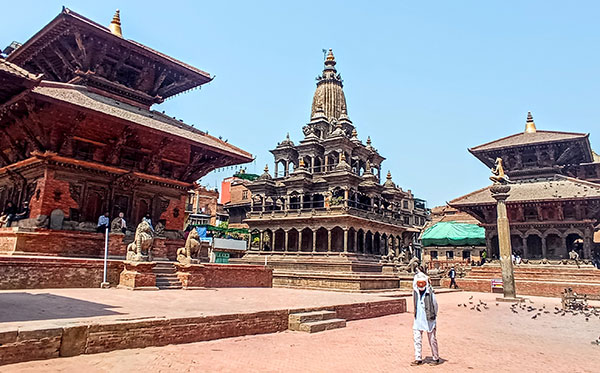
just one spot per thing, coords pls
(526, 138)
(80, 96)
(559, 187)
(14, 70)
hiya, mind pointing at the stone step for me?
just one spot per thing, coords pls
(168, 287)
(311, 316)
(322, 325)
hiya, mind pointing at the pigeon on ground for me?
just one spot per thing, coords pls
(534, 316)
(471, 297)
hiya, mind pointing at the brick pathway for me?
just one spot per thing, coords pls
(493, 340)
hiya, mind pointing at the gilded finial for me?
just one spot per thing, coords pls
(530, 125)
(368, 140)
(389, 175)
(342, 157)
(115, 25)
(301, 163)
(330, 55)
(266, 168)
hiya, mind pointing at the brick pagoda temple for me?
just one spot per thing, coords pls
(325, 218)
(78, 138)
(554, 203)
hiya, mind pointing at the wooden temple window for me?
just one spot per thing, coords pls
(529, 160)
(531, 214)
(130, 158)
(433, 254)
(569, 212)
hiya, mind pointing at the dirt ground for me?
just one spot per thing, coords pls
(493, 340)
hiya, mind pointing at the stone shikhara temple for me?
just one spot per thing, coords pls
(325, 201)
(554, 202)
(78, 137)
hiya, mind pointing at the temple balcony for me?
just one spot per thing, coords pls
(358, 210)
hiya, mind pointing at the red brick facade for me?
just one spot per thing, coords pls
(45, 273)
(224, 276)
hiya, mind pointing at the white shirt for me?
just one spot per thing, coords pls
(421, 322)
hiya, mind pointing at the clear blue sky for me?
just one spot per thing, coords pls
(426, 80)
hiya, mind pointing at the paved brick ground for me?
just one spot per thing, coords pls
(493, 340)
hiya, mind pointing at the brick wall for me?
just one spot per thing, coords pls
(45, 273)
(175, 214)
(51, 194)
(225, 276)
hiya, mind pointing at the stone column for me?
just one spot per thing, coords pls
(346, 196)
(326, 162)
(260, 242)
(287, 168)
(299, 240)
(544, 248)
(276, 168)
(312, 165)
(355, 241)
(263, 203)
(500, 193)
(301, 201)
(287, 202)
(346, 241)
(525, 251)
(328, 240)
(588, 243)
(314, 239)
(285, 241)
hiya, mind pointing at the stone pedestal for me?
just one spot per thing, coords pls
(138, 276)
(500, 194)
(191, 276)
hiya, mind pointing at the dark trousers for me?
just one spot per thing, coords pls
(453, 282)
(101, 228)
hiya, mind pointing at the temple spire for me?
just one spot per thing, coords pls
(329, 95)
(115, 25)
(530, 125)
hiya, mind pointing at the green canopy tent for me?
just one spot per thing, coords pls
(453, 234)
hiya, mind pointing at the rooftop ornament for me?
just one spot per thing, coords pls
(115, 25)
(530, 124)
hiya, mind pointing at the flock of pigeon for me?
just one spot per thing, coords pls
(523, 307)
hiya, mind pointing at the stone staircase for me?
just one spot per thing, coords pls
(315, 321)
(166, 276)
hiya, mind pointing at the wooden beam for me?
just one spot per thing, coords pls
(173, 86)
(159, 81)
(71, 53)
(82, 50)
(62, 57)
(51, 66)
(123, 55)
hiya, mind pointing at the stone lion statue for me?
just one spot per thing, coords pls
(141, 248)
(413, 264)
(191, 252)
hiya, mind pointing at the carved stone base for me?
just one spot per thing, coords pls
(138, 276)
(182, 259)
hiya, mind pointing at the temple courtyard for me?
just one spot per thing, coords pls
(495, 339)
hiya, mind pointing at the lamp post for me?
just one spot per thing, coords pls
(500, 192)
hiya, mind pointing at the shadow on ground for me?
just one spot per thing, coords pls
(29, 307)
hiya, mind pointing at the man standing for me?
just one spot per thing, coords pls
(103, 222)
(426, 309)
(452, 275)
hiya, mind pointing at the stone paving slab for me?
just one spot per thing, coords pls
(493, 340)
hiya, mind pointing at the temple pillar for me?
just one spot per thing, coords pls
(588, 243)
(364, 242)
(346, 195)
(500, 192)
(287, 202)
(300, 240)
(525, 250)
(314, 239)
(328, 240)
(346, 241)
(260, 240)
(312, 165)
(276, 168)
(287, 168)
(263, 203)
(544, 248)
(285, 240)
(301, 201)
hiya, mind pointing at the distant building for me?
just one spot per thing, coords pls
(237, 204)
(202, 207)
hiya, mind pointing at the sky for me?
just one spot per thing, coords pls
(425, 80)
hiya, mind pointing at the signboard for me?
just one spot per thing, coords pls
(223, 243)
(497, 285)
(221, 257)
